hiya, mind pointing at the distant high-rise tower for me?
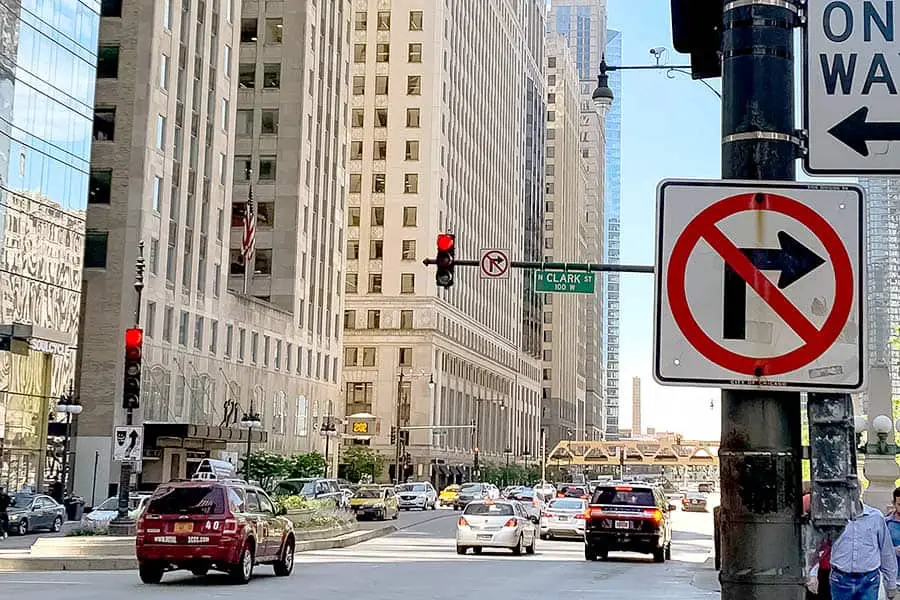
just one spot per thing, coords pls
(636, 428)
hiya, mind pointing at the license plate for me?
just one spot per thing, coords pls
(165, 539)
(562, 518)
(623, 525)
(184, 527)
(483, 537)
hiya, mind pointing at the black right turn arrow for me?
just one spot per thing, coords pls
(856, 131)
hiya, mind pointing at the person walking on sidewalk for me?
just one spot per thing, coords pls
(861, 556)
(819, 587)
(4, 515)
(893, 523)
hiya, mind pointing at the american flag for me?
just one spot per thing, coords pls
(248, 242)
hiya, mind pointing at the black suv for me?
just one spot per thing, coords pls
(633, 517)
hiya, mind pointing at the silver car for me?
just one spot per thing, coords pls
(564, 518)
(496, 524)
(417, 495)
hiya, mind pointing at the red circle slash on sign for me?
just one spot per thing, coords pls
(816, 341)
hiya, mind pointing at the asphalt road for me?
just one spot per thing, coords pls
(420, 561)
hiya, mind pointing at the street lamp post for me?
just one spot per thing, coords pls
(250, 421)
(399, 422)
(328, 431)
(508, 452)
(69, 404)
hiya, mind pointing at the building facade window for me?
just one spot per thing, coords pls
(407, 283)
(100, 186)
(373, 319)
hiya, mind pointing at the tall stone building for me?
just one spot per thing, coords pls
(47, 66)
(442, 106)
(583, 24)
(171, 77)
(565, 343)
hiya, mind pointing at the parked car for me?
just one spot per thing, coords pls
(30, 512)
(313, 488)
(633, 517)
(706, 487)
(448, 495)
(694, 502)
(417, 495)
(109, 510)
(376, 502)
(199, 525)
(564, 518)
(500, 524)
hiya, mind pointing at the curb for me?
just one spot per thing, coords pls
(25, 563)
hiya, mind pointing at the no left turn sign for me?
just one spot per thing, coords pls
(760, 285)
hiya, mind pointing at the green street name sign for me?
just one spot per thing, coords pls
(564, 282)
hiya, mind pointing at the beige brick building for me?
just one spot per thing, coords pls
(438, 123)
(166, 119)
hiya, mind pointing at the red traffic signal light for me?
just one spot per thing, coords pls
(446, 242)
(134, 343)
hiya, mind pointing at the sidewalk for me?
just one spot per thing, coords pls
(106, 553)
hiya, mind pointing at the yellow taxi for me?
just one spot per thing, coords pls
(449, 495)
(376, 502)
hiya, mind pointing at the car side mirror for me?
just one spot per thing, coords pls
(534, 519)
(673, 507)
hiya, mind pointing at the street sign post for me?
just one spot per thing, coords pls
(128, 444)
(851, 72)
(564, 282)
(494, 263)
(760, 285)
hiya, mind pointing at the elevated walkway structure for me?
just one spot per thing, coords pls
(690, 453)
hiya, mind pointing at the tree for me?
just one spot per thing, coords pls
(265, 468)
(359, 461)
(311, 464)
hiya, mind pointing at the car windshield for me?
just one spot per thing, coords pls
(451, 488)
(191, 500)
(21, 500)
(413, 487)
(624, 495)
(567, 504)
(697, 496)
(369, 493)
(300, 487)
(490, 510)
(471, 488)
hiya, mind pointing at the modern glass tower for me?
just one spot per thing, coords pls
(612, 188)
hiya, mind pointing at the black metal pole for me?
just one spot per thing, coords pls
(398, 424)
(94, 480)
(327, 439)
(65, 457)
(249, 450)
(760, 448)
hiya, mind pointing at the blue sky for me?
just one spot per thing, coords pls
(670, 129)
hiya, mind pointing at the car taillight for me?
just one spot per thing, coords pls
(583, 497)
(560, 495)
(581, 516)
(655, 515)
(462, 522)
(546, 515)
(595, 513)
(512, 522)
(230, 526)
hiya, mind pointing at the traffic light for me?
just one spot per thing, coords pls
(697, 30)
(446, 250)
(134, 350)
(393, 434)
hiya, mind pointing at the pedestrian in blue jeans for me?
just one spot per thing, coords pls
(861, 556)
(893, 522)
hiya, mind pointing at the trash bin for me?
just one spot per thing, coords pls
(74, 508)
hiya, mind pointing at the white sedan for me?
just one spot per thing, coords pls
(109, 509)
(496, 524)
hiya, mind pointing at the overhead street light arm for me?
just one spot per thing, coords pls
(557, 266)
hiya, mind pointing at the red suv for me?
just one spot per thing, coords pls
(222, 525)
(631, 517)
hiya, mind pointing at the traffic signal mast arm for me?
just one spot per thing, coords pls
(557, 266)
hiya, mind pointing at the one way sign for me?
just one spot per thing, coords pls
(759, 285)
(851, 73)
(128, 444)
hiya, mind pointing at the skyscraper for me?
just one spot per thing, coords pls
(169, 81)
(583, 24)
(636, 425)
(47, 73)
(426, 156)
(612, 196)
(565, 345)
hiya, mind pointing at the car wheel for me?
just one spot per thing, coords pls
(151, 573)
(544, 536)
(659, 555)
(57, 525)
(396, 515)
(477, 550)
(519, 547)
(531, 548)
(590, 553)
(23, 527)
(668, 554)
(285, 564)
(243, 570)
(461, 549)
(200, 571)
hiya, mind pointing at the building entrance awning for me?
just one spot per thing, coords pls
(153, 432)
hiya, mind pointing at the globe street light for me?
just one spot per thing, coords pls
(249, 421)
(68, 403)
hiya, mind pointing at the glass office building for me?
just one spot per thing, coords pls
(612, 188)
(47, 71)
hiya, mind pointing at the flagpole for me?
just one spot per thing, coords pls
(248, 241)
